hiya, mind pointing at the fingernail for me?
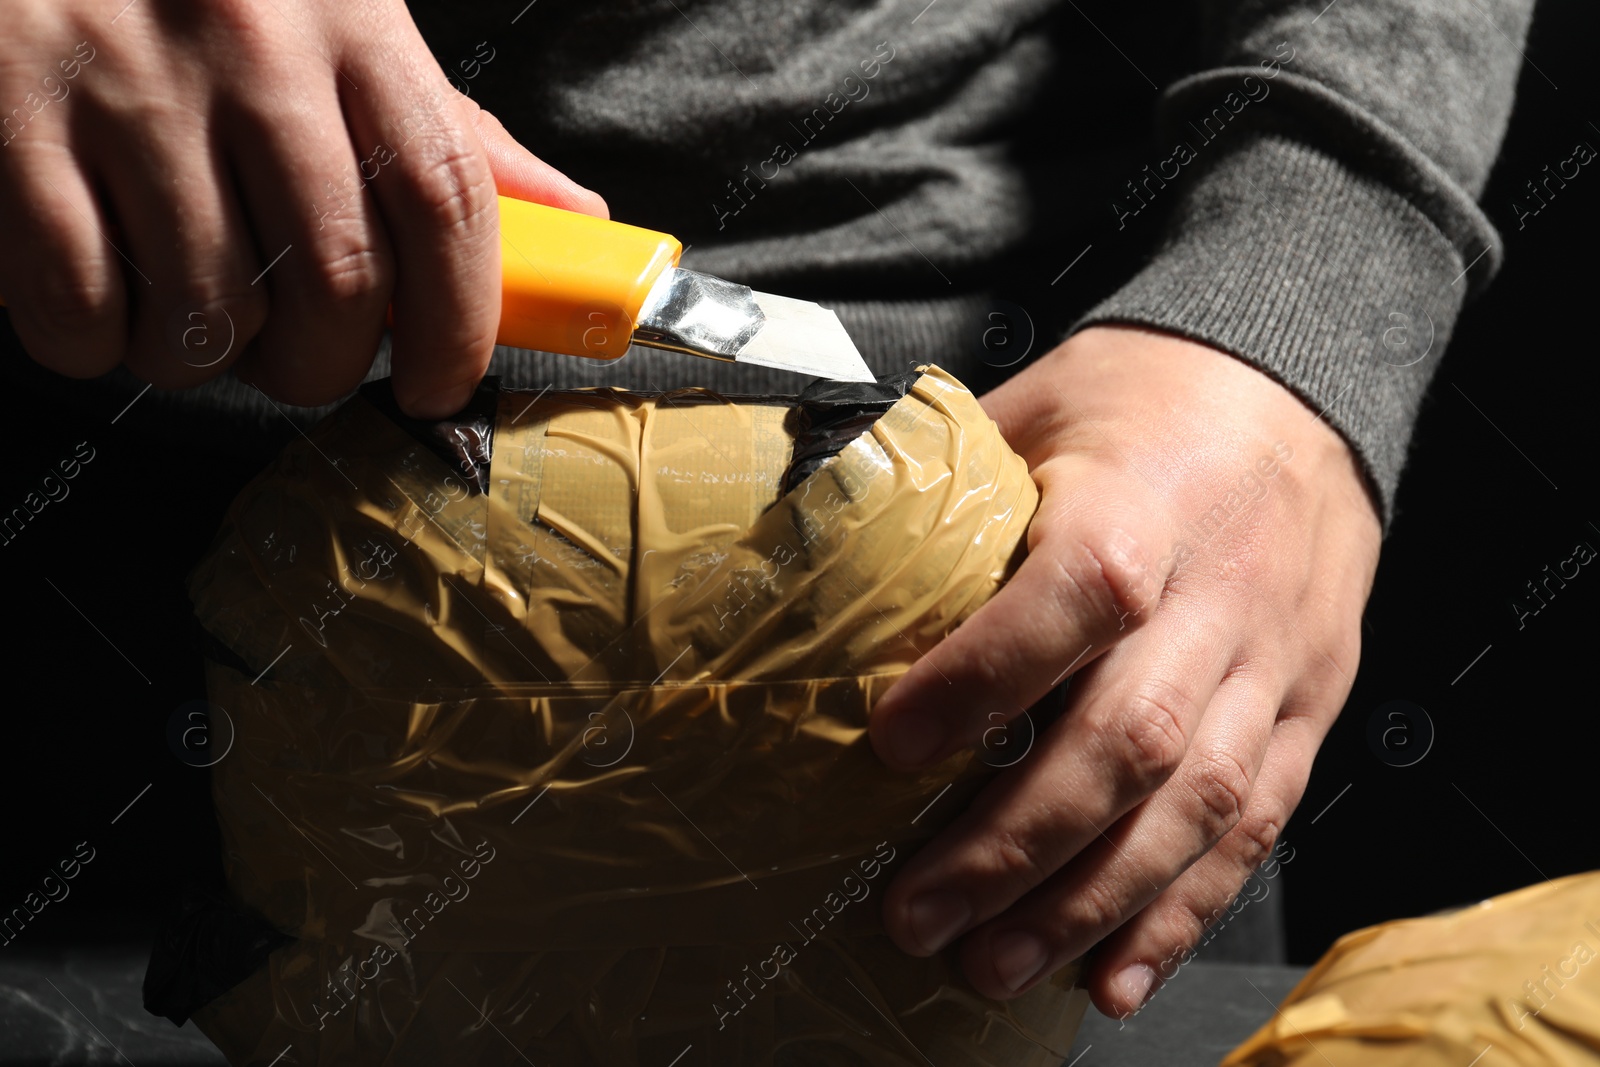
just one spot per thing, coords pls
(937, 917)
(913, 738)
(1018, 957)
(1135, 980)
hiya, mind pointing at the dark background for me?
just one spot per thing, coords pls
(1476, 520)
(1502, 797)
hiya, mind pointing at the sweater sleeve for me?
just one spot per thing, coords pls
(1329, 232)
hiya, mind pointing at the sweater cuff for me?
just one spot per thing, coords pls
(1325, 279)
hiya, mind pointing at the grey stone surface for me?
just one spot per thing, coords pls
(82, 1006)
(1192, 1021)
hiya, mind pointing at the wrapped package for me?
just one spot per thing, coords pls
(1510, 982)
(550, 730)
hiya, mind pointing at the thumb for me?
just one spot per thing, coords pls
(520, 174)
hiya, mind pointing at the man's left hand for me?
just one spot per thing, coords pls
(1202, 553)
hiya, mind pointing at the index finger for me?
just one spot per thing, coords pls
(436, 193)
(1088, 578)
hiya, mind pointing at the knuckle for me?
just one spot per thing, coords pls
(141, 111)
(1222, 786)
(239, 16)
(1255, 837)
(1018, 856)
(1152, 735)
(211, 274)
(1186, 923)
(1112, 575)
(1097, 908)
(352, 274)
(1175, 930)
(1192, 924)
(456, 189)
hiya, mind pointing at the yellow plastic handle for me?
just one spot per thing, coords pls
(572, 283)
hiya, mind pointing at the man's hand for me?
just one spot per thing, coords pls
(186, 183)
(1201, 556)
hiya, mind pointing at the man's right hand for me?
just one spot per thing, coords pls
(189, 183)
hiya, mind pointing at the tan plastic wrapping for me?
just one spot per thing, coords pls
(1511, 982)
(575, 772)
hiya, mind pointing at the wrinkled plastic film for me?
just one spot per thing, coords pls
(1507, 982)
(590, 747)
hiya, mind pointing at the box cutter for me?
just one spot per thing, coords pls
(582, 286)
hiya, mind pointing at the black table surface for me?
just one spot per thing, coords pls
(82, 1006)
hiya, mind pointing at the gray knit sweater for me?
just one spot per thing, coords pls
(1292, 181)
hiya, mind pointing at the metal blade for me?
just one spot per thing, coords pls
(686, 311)
(805, 338)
